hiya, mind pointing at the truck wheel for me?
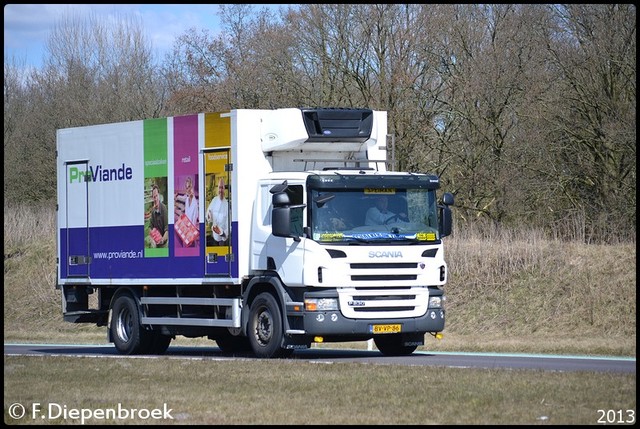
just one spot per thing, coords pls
(159, 343)
(128, 336)
(392, 345)
(229, 343)
(265, 327)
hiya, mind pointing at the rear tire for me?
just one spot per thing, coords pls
(126, 331)
(393, 345)
(265, 329)
(159, 343)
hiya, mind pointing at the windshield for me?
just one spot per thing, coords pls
(370, 215)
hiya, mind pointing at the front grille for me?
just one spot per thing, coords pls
(383, 271)
(384, 309)
(383, 303)
(383, 265)
(382, 297)
(382, 277)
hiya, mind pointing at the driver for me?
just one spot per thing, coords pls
(330, 218)
(379, 215)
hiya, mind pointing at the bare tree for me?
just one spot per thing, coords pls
(592, 53)
(95, 72)
(244, 66)
(107, 68)
(490, 65)
(17, 111)
(527, 112)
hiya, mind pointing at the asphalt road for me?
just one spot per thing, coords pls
(324, 355)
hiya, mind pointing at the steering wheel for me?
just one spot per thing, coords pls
(389, 220)
(399, 217)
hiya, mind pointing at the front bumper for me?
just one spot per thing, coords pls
(333, 323)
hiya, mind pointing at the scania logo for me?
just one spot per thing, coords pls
(385, 254)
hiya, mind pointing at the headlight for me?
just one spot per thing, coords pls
(435, 302)
(321, 304)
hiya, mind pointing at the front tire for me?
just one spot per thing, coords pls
(230, 343)
(265, 329)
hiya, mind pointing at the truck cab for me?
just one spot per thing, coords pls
(355, 276)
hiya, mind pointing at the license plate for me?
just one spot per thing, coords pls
(386, 329)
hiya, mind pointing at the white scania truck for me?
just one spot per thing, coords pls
(264, 230)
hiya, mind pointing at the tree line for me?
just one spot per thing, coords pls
(527, 112)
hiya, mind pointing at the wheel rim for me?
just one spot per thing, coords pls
(124, 324)
(264, 327)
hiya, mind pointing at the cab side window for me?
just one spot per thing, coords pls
(296, 198)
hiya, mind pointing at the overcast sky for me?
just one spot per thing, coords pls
(28, 26)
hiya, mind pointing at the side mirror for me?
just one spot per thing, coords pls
(281, 199)
(281, 215)
(447, 199)
(446, 219)
(286, 219)
(281, 221)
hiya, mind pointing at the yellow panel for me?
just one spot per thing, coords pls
(217, 130)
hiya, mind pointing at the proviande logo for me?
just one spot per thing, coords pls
(100, 174)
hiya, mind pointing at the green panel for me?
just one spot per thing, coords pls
(156, 169)
(155, 147)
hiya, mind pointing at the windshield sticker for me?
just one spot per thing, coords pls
(426, 236)
(379, 191)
